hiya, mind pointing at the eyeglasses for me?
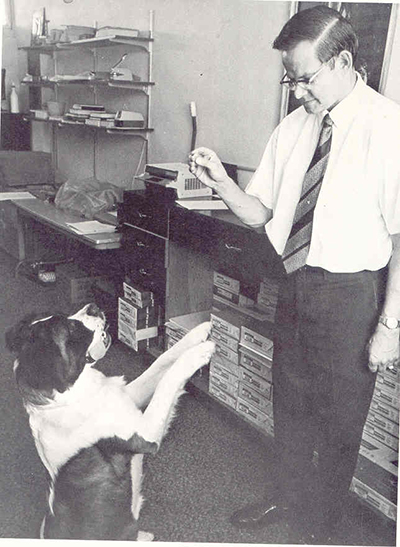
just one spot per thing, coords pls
(291, 83)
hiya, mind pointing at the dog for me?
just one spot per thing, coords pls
(90, 430)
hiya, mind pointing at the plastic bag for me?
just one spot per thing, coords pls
(88, 197)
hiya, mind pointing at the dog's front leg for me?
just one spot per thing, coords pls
(142, 388)
(160, 411)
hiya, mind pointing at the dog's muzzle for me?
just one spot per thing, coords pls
(95, 320)
(99, 346)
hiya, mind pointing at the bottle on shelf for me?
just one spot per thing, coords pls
(14, 102)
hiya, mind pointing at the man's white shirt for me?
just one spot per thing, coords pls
(358, 206)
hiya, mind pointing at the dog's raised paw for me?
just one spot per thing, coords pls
(145, 536)
(197, 335)
(196, 357)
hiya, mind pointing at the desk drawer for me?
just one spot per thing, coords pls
(232, 246)
(144, 257)
(143, 248)
(138, 210)
(149, 277)
(239, 249)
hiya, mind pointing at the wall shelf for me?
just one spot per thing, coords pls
(60, 77)
(106, 41)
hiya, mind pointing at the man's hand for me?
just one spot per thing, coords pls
(207, 167)
(383, 349)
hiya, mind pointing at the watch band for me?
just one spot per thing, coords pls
(389, 322)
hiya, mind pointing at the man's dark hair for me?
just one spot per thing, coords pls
(331, 32)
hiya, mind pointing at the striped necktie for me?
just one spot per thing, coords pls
(297, 246)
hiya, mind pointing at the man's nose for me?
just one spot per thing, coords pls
(299, 92)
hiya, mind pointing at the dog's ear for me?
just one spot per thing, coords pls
(141, 446)
(18, 334)
(135, 445)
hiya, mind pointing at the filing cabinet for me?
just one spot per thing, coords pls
(144, 260)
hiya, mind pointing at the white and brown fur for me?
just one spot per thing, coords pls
(90, 430)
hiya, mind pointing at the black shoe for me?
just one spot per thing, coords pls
(258, 515)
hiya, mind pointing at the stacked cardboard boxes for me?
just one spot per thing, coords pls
(230, 291)
(240, 369)
(177, 327)
(267, 297)
(376, 476)
(138, 317)
(75, 285)
(258, 302)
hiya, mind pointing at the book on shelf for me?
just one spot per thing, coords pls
(90, 107)
(103, 115)
(103, 32)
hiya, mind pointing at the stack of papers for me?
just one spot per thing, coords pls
(88, 227)
(16, 195)
(202, 204)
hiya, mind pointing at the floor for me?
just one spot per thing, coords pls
(208, 466)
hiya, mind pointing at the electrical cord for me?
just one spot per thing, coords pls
(194, 125)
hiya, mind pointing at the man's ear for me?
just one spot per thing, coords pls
(345, 59)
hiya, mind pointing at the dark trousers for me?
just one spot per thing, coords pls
(322, 384)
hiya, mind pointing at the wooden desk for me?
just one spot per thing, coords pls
(57, 219)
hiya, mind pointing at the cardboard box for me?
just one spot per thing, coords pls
(256, 382)
(223, 385)
(137, 296)
(226, 282)
(247, 393)
(256, 363)
(374, 499)
(233, 368)
(253, 312)
(382, 408)
(389, 398)
(228, 322)
(182, 324)
(226, 353)
(221, 395)
(379, 453)
(270, 288)
(388, 383)
(137, 317)
(223, 339)
(74, 284)
(381, 435)
(377, 478)
(378, 420)
(392, 374)
(136, 325)
(254, 336)
(255, 416)
(217, 370)
(240, 299)
(137, 339)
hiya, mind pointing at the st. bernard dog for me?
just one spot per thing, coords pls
(91, 430)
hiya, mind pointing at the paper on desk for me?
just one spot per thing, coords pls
(202, 204)
(16, 195)
(91, 227)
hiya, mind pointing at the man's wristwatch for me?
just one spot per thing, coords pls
(390, 322)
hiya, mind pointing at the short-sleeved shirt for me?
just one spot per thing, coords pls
(358, 207)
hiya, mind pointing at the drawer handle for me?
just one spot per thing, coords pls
(140, 244)
(142, 271)
(233, 248)
(142, 215)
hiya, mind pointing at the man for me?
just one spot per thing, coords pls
(328, 193)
